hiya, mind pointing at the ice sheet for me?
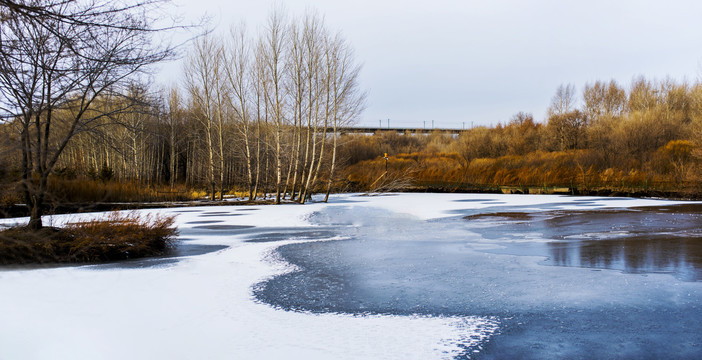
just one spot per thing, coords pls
(202, 306)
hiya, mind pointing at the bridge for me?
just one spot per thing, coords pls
(373, 130)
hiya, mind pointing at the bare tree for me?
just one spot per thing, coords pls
(273, 49)
(297, 90)
(222, 100)
(239, 74)
(563, 101)
(134, 127)
(261, 105)
(250, 115)
(642, 95)
(52, 70)
(603, 100)
(49, 13)
(202, 82)
(175, 115)
(328, 71)
(567, 130)
(347, 100)
(313, 37)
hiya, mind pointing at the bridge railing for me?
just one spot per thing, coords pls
(374, 130)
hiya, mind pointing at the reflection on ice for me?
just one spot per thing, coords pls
(681, 256)
(644, 240)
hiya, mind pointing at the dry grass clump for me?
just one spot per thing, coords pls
(573, 169)
(117, 237)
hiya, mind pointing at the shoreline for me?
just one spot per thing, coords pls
(20, 210)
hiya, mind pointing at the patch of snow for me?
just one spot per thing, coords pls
(203, 307)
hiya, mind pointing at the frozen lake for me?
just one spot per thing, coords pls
(411, 276)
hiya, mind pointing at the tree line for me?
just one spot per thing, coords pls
(253, 112)
(645, 135)
(258, 111)
(270, 106)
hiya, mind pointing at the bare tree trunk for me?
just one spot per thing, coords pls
(220, 138)
(274, 47)
(311, 137)
(328, 74)
(173, 101)
(296, 74)
(321, 153)
(313, 34)
(306, 188)
(306, 156)
(221, 167)
(298, 147)
(260, 88)
(258, 159)
(240, 80)
(267, 179)
(210, 154)
(347, 101)
(278, 160)
(333, 164)
(290, 167)
(202, 79)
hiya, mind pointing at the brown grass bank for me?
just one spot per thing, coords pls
(117, 237)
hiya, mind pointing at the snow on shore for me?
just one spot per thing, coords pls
(201, 307)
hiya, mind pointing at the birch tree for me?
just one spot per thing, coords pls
(239, 76)
(297, 90)
(313, 42)
(202, 81)
(175, 115)
(273, 41)
(563, 101)
(348, 101)
(258, 72)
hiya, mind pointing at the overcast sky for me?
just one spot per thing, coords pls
(463, 63)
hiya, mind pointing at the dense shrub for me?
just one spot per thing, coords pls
(117, 237)
(574, 169)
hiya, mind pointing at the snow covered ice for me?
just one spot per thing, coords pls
(204, 305)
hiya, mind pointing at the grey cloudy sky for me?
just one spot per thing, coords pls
(480, 62)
